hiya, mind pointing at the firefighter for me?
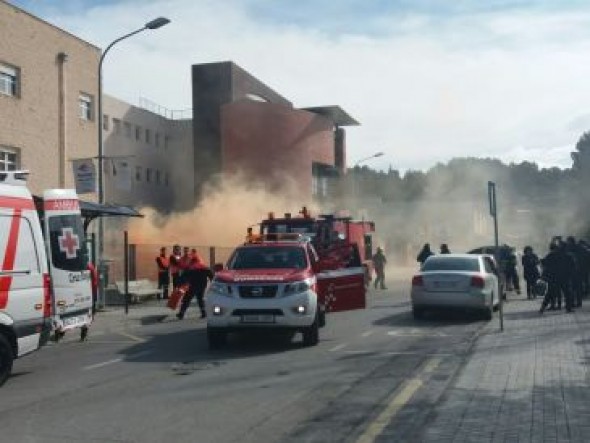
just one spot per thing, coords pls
(196, 275)
(379, 262)
(163, 264)
(174, 266)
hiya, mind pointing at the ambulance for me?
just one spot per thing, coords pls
(44, 281)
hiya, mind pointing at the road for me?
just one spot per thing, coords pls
(376, 375)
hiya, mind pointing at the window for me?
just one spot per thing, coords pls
(148, 136)
(137, 133)
(138, 173)
(127, 126)
(105, 122)
(117, 125)
(166, 141)
(165, 179)
(157, 139)
(8, 159)
(85, 102)
(9, 80)
(157, 176)
(148, 175)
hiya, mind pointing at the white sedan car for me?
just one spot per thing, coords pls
(456, 281)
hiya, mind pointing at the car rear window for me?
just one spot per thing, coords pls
(451, 264)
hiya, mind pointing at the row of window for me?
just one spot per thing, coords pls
(10, 85)
(135, 131)
(147, 175)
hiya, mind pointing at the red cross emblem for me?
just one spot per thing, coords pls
(69, 242)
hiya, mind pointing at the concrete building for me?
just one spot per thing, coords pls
(48, 89)
(149, 158)
(240, 125)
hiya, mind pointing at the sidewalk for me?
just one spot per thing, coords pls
(529, 383)
(114, 318)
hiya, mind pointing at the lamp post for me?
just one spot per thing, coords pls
(356, 184)
(154, 24)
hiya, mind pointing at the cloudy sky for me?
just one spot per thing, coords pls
(428, 80)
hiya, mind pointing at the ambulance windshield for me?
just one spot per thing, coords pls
(67, 242)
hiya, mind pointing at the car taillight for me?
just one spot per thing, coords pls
(477, 281)
(417, 280)
(46, 296)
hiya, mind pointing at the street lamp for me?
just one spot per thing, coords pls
(377, 154)
(154, 24)
(355, 182)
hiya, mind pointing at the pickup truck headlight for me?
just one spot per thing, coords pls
(297, 287)
(219, 288)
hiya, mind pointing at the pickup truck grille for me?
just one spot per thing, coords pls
(268, 291)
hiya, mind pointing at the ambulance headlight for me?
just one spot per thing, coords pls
(219, 288)
(297, 287)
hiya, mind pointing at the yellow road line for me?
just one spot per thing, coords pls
(397, 401)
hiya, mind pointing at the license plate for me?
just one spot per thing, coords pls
(444, 284)
(75, 321)
(258, 318)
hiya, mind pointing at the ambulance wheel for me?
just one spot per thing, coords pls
(6, 359)
(311, 335)
(216, 338)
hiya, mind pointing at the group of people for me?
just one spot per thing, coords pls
(186, 269)
(426, 252)
(566, 271)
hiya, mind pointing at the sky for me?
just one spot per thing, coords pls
(429, 80)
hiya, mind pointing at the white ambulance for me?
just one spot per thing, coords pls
(44, 281)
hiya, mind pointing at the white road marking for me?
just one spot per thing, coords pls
(132, 337)
(338, 347)
(367, 333)
(415, 332)
(116, 360)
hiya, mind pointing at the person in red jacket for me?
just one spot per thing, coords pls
(174, 266)
(163, 263)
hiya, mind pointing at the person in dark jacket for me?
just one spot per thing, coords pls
(550, 266)
(444, 249)
(530, 265)
(424, 254)
(577, 256)
(512, 279)
(196, 275)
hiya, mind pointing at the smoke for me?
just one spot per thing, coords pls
(230, 205)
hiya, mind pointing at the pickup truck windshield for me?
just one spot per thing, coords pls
(280, 257)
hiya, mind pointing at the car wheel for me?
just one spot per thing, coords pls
(418, 313)
(216, 338)
(322, 318)
(311, 334)
(6, 359)
(488, 314)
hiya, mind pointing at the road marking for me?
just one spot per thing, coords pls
(423, 354)
(338, 347)
(413, 332)
(132, 337)
(396, 402)
(367, 333)
(116, 360)
(104, 363)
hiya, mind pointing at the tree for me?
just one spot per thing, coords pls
(581, 158)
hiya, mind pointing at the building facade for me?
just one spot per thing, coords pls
(48, 90)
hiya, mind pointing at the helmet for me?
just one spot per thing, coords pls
(540, 288)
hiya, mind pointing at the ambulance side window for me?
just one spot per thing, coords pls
(68, 247)
(26, 255)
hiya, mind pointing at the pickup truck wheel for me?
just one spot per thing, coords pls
(216, 338)
(6, 359)
(311, 334)
(418, 313)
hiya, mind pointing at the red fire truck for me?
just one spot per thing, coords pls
(337, 238)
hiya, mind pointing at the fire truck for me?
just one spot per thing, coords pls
(279, 283)
(339, 239)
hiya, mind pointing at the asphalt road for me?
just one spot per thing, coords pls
(377, 375)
